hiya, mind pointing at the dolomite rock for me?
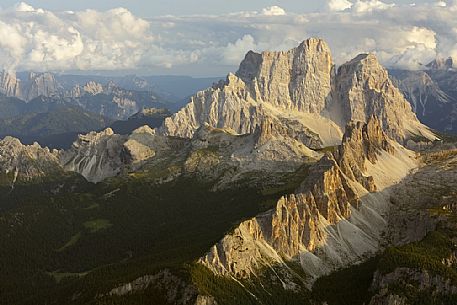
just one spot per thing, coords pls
(422, 280)
(214, 151)
(363, 89)
(298, 79)
(10, 85)
(138, 146)
(96, 156)
(205, 300)
(124, 100)
(208, 155)
(93, 88)
(362, 142)
(301, 93)
(37, 84)
(442, 64)
(41, 84)
(26, 161)
(332, 220)
(175, 289)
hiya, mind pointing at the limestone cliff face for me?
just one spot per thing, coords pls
(115, 102)
(227, 105)
(298, 79)
(36, 84)
(41, 84)
(10, 85)
(314, 225)
(26, 162)
(363, 89)
(296, 88)
(274, 85)
(96, 156)
(361, 143)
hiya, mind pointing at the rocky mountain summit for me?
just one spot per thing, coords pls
(26, 162)
(35, 85)
(301, 90)
(442, 64)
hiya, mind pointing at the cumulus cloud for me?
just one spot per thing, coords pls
(338, 5)
(273, 11)
(37, 39)
(400, 35)
(370, 6)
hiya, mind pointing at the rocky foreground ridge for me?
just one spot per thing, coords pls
(335, 218)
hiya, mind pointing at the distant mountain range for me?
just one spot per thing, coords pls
(432, 93)
(52, 108)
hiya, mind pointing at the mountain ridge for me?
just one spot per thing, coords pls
(267, 85)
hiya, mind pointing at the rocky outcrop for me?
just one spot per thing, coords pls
(442, 64)
(41, 84)
(10, 85)
(422, 91)
(300, 90)
(417, 280)
(361, 143)
(96, 156)
(35, 85)
(208, 155)
(26, 162)
(328, 222)
(298, 79)
(363, 89)
(175, 290)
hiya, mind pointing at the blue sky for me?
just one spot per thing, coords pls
(146, 8)
(167, 37)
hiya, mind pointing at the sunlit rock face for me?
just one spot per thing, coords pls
(296, 88)
(363, 89)
(298, 79)
(26, 162)
(333, 219)
(96, 156)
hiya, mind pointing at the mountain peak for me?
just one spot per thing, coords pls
(441, 63)
(300, 91)
(10, 85)
(26, 162)
(255, 65)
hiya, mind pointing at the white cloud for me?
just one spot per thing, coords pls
(273, 11)
(400, 35)
(338, 5)
(24, 7)
(370, 6)
(234, 51)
